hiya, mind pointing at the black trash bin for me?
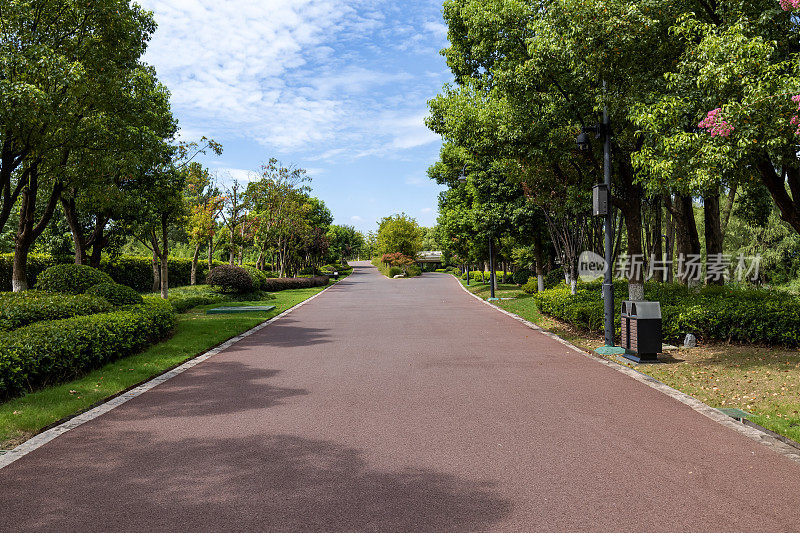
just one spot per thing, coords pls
(641, 331)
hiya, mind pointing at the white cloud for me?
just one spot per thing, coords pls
(293, 75)
(356, 218)
(436, 28)
(226, 176)
(426, 210)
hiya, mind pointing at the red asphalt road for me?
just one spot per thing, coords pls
(401, 405)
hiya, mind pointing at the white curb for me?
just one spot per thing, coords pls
(780, 447)
(43, 438)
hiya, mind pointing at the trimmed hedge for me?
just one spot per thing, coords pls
(54, 351)
(282, 284)
(134, 271)
(116, 293)
(395, 271)
(18, 309)
(137, 271)
(476, 274)
(71, 279)
(715, 313)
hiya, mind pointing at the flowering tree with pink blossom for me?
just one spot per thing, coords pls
(716, 124)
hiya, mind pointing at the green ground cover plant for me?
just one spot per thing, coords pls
(195, 332)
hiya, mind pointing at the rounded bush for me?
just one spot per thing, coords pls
(531, 286)
(116, 294)
(230, 278)
(520, 277)
(71, 279)
(394, 271)
(258, 277)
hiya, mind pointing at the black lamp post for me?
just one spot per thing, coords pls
(491, 267)
(604, 131)
(462, 178)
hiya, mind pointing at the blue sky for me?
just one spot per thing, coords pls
(336, 87)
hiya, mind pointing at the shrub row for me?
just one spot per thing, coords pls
(476, 274)
(23, 308)
(116, 294)
(134, 271)
(49, 352)
(712, 313)
(282, 284)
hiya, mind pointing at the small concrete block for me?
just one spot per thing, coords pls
(241, 309)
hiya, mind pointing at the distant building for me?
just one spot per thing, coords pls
(429, 257)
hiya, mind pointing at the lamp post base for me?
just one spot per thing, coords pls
(642, 358)
(610, 350)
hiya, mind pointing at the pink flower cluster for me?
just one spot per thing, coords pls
(795, 119)
(788, 5)
(716, 124)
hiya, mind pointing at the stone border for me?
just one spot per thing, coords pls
(39, 440)
(748, 431)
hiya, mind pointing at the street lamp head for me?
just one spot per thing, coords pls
(462, 178)
(582, 140)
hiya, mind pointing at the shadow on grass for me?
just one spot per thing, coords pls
(254, 483)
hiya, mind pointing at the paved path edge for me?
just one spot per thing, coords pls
(44, 437)
(750, 432)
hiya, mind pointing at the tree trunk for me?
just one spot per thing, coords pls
(195, 257)
(788, 205)
(210, 253)
(539, 256)
(658, 254)
(98, 240)
(27, 232)
(164, 257)
(71, 215)
(156, 273)
(726, 213)
(686, 237)
(631, 208)
(669, 229)
(713, 233)
(19, 278)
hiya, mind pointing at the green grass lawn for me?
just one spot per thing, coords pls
(764, 381)
(195, 333)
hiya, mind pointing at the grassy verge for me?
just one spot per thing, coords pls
(764, 381)
(195, 332)
(382, 268)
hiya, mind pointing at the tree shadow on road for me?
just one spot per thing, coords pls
(274, 483)
(214, 388)
(284, 333)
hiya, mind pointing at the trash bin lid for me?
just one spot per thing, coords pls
(642, 309)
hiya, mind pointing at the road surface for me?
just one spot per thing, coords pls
(401, 405)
